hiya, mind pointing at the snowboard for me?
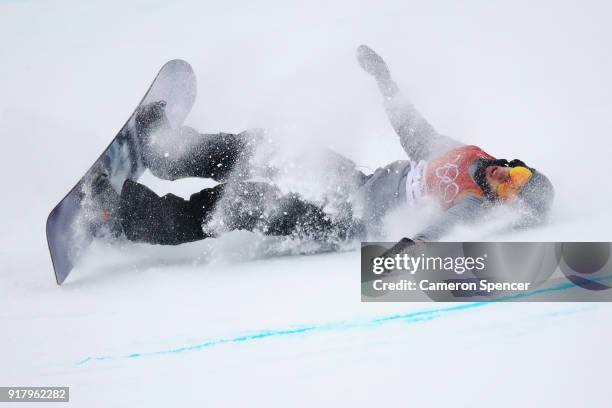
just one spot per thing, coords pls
(76, 220)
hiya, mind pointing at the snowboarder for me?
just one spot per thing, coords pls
(465, 180)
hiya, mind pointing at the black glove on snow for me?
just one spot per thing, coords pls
(402, 245)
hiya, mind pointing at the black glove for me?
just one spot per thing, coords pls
(398, 248)
(373, 64)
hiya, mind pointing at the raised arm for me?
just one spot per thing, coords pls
(418, 138)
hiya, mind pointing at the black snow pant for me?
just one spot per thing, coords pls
(187, 153)
(240, 205)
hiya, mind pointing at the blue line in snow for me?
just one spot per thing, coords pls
(410, 318)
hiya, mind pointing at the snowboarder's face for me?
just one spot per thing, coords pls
(508, 182)
(496, 175)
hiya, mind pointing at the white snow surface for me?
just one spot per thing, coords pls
(226, 323)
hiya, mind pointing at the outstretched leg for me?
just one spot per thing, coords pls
(252, 206)
(167, 220)
(217, 156)
(262, 207)
(178, 153)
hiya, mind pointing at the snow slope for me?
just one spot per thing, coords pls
(150, 326)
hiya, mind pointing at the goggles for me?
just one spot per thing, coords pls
(519, 176)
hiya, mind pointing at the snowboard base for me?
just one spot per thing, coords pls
(76, 220)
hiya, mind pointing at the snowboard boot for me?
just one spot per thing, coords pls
(105, 203)
(150, 117)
